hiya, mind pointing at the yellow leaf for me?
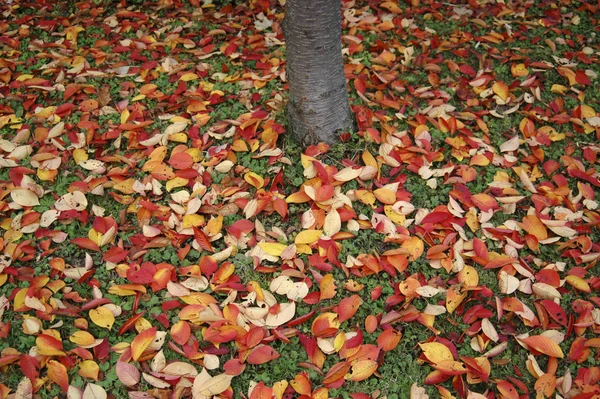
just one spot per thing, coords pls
(102, 317)
(124, 116)
(279, 388)
(82, 338)
(195, 153)
(193, 220)
(453, 299)
(385, 196)
(272, 248)
(89, 369)
(365, 196)
(186, 77)
(303, 249)
(24, 77)
(347, 174)
(176, 182)
(501, 89)
(361, 370)
(308, 237)
(95, 236)
(394, 216)
(468, 277)
(254, 180)
(558, 89)
(519, 70)
(79, 155)
(369, 159)
(214, 225)
(587, 111)
(578, 283)
(436, 352)
(126, 186)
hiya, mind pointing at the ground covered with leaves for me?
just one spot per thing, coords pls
(163, 236)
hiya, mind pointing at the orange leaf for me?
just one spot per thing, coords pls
(57, 372)
(389, 339)
(88, 105)
(371, 324)
(544, 345)
(324, 193)
(336, 372)
(414, 247)
(141, 342)
(261, 391)
(301, 384)
(180, 332)
(348, 307)
(327, 287)
(534, 226)
(385, 196)
(546, 385)
(485, 202)
(507, 389)
(325, 325)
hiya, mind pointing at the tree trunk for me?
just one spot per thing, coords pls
(318, 107)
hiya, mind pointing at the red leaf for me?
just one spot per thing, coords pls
(555, 311)
(29, 366)
(181, 160)
(262, 354)
(115, 254)
(203, 240)
(86, 243)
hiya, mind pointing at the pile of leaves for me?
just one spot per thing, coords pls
(163, 236)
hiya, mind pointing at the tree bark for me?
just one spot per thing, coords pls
(318, 108)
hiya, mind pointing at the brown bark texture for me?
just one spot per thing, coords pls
(318, 108)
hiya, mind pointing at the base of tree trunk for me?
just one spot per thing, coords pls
(318, 108)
